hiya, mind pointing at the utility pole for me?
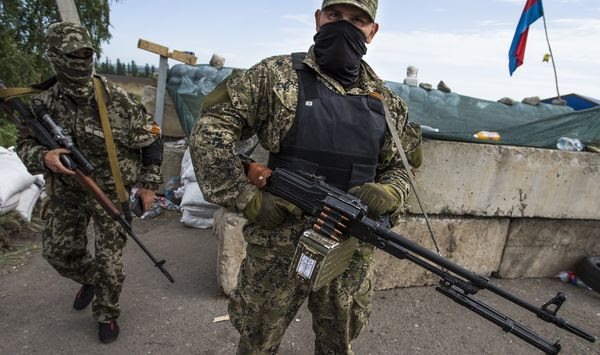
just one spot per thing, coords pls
(68, 11)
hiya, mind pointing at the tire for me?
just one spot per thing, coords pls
(588, 270)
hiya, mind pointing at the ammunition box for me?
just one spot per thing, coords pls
(318, 259)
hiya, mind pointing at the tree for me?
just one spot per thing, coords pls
(134, 68)
(147, 70)
(23, 24)
(22, 35)
(120, 67)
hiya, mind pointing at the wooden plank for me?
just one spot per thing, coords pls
(161, 90)
(68, 11)
(153, 47)
(183, 57)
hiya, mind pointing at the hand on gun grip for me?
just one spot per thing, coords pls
(52, 161)
(380, 198)
(269, 210)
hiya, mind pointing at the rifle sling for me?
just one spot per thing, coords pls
(12, 93)
(109, 142)
(394, 133)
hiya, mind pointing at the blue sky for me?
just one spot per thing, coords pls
(463, 42)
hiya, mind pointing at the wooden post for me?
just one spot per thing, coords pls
(163, 67)
(161, 87)
(68, 11)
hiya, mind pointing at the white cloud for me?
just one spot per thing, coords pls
(476, 64)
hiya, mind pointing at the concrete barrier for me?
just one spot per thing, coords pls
(542, 248)
(231, 248)
(504, 181)
(474, 243)
(171, 164)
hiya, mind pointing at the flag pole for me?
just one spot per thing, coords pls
(551, 56)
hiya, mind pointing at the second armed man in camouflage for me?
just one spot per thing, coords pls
(72, 104)
(321, 112)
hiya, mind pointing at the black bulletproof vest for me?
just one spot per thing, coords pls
(335, 136)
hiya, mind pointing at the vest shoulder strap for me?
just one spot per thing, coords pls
(307, 88)
(297, 60)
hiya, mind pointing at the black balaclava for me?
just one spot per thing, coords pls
(339, 47)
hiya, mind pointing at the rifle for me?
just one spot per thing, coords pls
(50, 135)
(338, 211)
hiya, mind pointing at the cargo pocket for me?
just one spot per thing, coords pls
(361, 309)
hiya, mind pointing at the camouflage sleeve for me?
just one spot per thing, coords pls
(32, 154)
(151, 177)
(391, 170)
(29, 150)
(232, 111)
(142, 131)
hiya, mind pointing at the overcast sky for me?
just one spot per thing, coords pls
(463, 42)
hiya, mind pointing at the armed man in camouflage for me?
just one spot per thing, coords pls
(321, 112)
(72, 103)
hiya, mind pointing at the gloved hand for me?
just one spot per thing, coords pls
(269, 210)
(380, 198)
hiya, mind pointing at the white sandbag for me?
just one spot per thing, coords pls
(29, 198)
(13, 174)
(187, 168)
(198, 211)
(192, 196)
(190, 220)
(10, 204)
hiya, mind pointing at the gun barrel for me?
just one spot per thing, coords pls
(507, 324)
(110, 207)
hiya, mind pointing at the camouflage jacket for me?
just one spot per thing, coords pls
(132, 129)
(262, 101)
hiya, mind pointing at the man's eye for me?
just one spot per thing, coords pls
(359, 21)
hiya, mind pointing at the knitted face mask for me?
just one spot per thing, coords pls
(339, 47)
(74, 74)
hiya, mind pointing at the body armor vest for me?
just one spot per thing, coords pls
(335, 136)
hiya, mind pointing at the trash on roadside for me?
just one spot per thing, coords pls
(160, 203)
(570, 277)
(221, 318)
(487, 136)
(569, 144)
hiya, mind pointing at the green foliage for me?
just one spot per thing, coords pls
(23, 60)
(22, 30)
(8, 133)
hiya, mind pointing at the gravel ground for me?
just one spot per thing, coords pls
(163, 318)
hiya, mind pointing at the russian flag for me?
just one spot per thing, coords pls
(532, 12)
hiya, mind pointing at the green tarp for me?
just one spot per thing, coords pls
(455, 117)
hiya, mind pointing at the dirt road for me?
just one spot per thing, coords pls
(161, 318)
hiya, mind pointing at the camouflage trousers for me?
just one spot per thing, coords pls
(266, 300)
(64, 247)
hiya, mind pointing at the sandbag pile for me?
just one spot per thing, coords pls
(19, 189)
(196, 212)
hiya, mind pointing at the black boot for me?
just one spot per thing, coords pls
(108, 332)
(84, 297)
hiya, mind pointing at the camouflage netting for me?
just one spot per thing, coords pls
(455, 117)
(188, 85)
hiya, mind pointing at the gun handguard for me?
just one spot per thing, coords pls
(337, 211)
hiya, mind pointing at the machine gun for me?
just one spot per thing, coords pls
(338, 212)
(49, 134)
